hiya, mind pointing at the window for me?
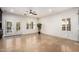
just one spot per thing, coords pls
(18, 26)
(63, 25)
(29, 25)
(66, 24)
(9, 27)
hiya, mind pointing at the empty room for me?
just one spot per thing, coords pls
(39, 29)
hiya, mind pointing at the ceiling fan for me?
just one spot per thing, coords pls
(31, 12)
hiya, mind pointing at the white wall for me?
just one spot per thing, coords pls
(18, 18)
(51, 25)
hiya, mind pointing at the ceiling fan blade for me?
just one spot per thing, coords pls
(31, 12)
(35, 14)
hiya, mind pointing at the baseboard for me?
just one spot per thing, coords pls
(19, 35)
(59, 37)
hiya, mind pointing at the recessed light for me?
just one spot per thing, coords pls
(11, 10)
(50, 10)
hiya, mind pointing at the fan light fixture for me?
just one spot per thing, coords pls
(30, 12)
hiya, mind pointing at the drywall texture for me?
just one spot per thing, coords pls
(51, 25)
(18, 18)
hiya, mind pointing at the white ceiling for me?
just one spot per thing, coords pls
(41, 11)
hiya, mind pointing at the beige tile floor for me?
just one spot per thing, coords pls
(37, 43)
